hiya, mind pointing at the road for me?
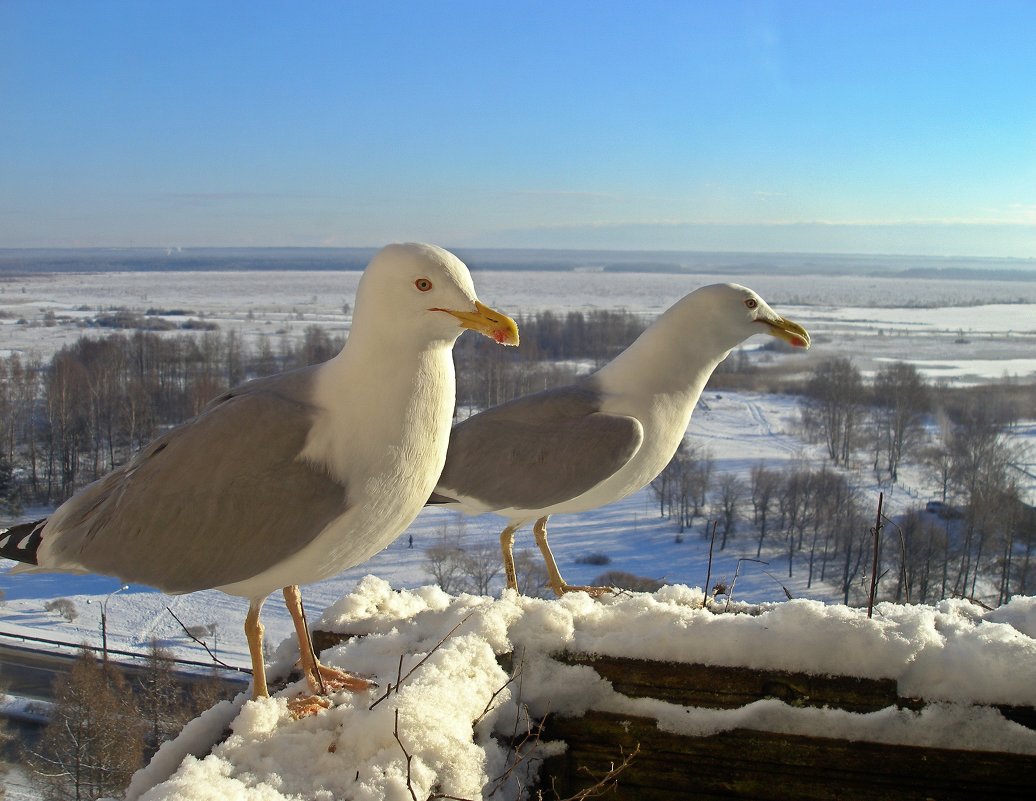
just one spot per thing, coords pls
(30, 673)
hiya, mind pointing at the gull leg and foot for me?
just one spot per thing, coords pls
(506, 546)
(556, 582)
(320, 678)
(254, 635)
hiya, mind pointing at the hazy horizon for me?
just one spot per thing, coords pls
(128, 259)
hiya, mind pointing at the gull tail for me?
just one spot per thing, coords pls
(21, 542)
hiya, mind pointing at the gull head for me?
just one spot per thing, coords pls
(737, 312)
(426, 294)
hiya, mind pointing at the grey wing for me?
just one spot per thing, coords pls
(538, 450)
(212, 502)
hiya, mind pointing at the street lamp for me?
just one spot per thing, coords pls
(104, 623)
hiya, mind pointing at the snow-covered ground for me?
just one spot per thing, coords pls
(738, 429)
(951, 653)
(868, 317)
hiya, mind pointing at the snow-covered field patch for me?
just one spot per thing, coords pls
(866, 317)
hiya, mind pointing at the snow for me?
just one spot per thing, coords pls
(953, 654)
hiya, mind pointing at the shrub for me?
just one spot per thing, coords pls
(64, 607)
(628, 581)
(594, 559)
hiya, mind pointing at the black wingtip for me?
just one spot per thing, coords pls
(22, 541)
(436, 499)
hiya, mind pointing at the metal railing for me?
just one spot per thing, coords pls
(131, 654)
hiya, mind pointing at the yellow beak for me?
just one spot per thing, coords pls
(792, 333)
(490, 322)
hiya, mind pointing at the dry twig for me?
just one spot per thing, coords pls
(400, 679)
(219, 662)
(733, 581)
(708, 571)
(607, 781)
(515, 673)
(876, 531)
(409, 757)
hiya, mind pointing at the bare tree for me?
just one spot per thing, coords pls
(900, 402)
(853, 544)
(94, 741)
(731, 491)
(9, 501)
(206, 693)
(938, 460)
(833, 407)
(830, 495)
(683, 485)
(446, 559)
(981, 456)
(763, 484)
(793, 503)
(266, 361)
(160, 699)
(480, 564)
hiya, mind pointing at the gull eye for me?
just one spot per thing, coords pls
(751, 303)
(423, 284)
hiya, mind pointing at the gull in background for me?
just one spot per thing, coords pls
(607, 435)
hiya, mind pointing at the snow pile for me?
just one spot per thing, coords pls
(453, 702)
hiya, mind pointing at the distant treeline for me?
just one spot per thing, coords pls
(69, 420)
(14, 262)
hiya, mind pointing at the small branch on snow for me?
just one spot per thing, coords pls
(733, 581)
(409, 757)
(400, 679)
(489, 704)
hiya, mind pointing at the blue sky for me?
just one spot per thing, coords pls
(835, 126)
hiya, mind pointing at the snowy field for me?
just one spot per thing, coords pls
(963, 331)
(870, 318)
(738, 429)
(954, 653)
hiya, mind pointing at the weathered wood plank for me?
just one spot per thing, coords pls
(733, 687)
(745, 764)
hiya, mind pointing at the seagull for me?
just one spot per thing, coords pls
(291, 478)
(609, 434)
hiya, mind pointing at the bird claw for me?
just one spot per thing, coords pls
(302, 705)
(333, 680)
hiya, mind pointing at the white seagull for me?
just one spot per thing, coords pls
(607, 435)
(291, 478)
